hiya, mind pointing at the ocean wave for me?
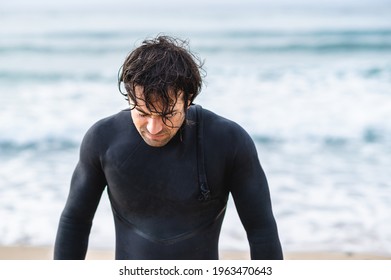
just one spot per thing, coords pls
(217, 47)
(53, 76)
(369, 135)
(33, 48)
(109, 42)
(307, 48)
(8, 147)
(299, 41)
(312, 33)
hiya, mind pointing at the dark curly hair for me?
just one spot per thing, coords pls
(165, 68)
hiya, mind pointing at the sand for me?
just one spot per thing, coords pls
(44, 253)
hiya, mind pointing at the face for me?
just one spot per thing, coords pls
(155, 131)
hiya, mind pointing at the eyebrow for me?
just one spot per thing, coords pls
(141, 111)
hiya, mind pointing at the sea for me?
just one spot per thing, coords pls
(309, 80)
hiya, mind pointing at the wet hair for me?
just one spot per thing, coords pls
(165, 68)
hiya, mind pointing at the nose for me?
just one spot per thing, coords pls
(155, 124)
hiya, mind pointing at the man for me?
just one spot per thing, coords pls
(169, 167)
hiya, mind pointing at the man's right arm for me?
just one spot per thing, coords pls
(87, 184)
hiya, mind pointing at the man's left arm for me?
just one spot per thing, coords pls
(250, 191)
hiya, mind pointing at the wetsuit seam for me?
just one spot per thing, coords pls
(131, 154)
(202, 176)
(174, 239)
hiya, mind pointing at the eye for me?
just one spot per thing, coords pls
(142, 115)
(171, 115)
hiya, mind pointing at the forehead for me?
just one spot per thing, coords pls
(155, 102)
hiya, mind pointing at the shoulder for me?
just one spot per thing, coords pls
(219, 125)
(111, 123)
(225, 136)
(106, 128)
(226, 140)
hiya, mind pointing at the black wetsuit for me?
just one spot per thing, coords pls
(168, 202)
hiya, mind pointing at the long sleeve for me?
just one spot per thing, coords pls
(251, 195)
(87, 185)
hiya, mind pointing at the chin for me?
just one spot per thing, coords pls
(156, 144)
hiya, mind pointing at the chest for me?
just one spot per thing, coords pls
(135, 170)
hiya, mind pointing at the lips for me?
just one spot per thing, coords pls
(154, 137)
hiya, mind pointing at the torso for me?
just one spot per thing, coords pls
(155, 194)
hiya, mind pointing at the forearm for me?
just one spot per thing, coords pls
(76, 219)
(72, 239)
(255, 211)
(87, 184)
(265, 245)
(251, 194)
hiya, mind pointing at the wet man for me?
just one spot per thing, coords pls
(168, 166)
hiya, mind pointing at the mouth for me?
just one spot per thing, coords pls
(154, 137)
(158, 140)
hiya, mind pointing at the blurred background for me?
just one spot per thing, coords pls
(309, 80)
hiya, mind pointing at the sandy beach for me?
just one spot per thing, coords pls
(45, 253)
